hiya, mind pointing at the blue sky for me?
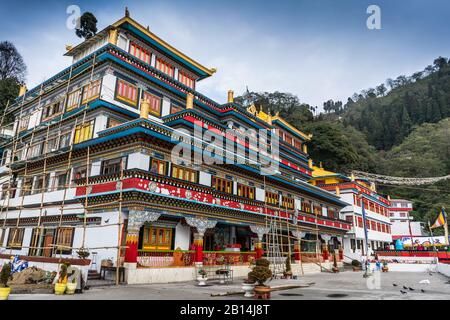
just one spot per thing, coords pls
(315, 49)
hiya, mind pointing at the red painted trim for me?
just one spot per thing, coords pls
(183, 193)
(75, 262)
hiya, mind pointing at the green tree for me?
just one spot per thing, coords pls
(88, 26)
(12, 74)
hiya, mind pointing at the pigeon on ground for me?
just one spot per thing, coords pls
(404, 287)
(423, 291)
(412, 289)
(403, 292)
(395, 284)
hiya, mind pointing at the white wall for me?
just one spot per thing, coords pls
(95, 168)
(139, 161)
(399, 228)
(205, 178)
(99, 237)
(259, 194)
(165, 109)
(182, 237)
(101, 122)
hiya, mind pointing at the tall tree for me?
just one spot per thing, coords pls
(12, 74)
(88, 26)
(381, 89)
(11, 63)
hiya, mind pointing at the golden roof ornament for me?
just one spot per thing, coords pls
(127, 13)
(252, 109)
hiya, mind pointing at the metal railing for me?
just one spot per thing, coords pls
(211, 258)
(165, 258)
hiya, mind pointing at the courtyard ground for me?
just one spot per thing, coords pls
(344, 285)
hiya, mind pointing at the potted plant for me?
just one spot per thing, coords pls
(61, 284)
(260, 274)
(288, 272)
(248, 287)
(83, 253)
(385, 266)
(356, 265)
(202, 277)
(4, 277)
(71, 286)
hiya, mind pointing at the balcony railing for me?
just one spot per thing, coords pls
(211, 258)
(165, 258)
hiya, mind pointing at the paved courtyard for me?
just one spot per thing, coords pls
(346, 285)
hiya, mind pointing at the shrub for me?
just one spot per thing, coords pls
(4, 275)
(260, 272)
(356, 263)
(262, 262)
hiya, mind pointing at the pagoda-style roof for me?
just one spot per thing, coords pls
(283, 123)
(144, 33)
(321, 173)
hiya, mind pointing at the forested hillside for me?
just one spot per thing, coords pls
(399, 128)
(386, 120)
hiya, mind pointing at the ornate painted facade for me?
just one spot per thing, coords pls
(89, 164)
(358, 193)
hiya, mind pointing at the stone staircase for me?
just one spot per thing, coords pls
(94, 280)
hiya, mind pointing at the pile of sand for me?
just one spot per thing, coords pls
(32, 275)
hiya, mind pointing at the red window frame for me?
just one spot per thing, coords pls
(127, 92)
(140, 53)
(186, 80)
(165, 67)
(155, 103)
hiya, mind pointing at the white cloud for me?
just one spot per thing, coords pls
(246, 51)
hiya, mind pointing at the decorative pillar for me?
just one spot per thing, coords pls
(201, 224)
(297, 244)
(325, 253)
(198, 244)
(112, 38)
(341, 249)
(230, 96)
(136, 218)
(260, 231)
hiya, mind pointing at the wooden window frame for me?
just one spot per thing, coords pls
(110, 119)
(166, 68)
(246, 191)
(272, 198)
(288, 202)
(140, 52)
(125, 99)
(222, 184)
(15, 244)
(175, 173)
(122, 161)
(154, 101)
(159, 163)
(26, 191)
(73, 105)
(188, 81)
(172, 106)
(61, 248)
(149, 244)
(80, 132)
(91, 91)
(52, 107)
(24, 122)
